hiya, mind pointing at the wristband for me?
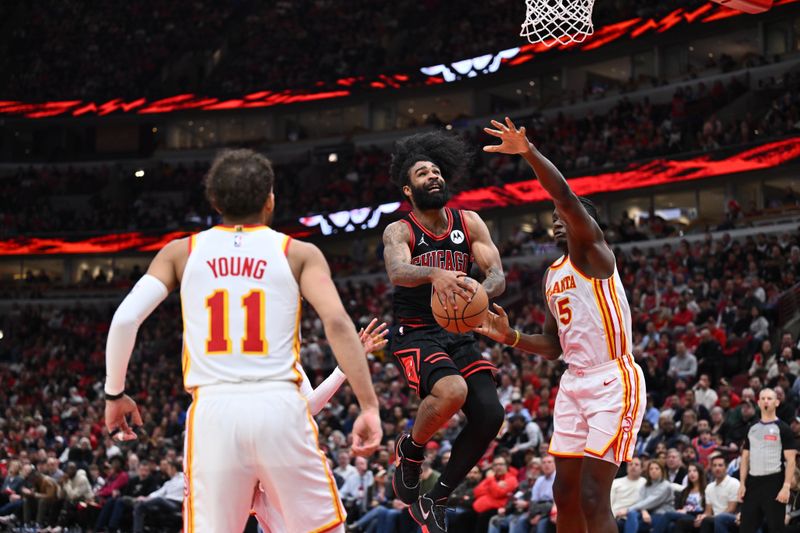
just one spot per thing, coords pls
(112, 397)
(516, 341)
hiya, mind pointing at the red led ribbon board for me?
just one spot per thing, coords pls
(636, 176)
(118, 242)
(632, 29)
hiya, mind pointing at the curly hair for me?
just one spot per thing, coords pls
(239, 182)
(446, 150)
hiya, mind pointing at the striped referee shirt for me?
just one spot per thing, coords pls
(766, 442)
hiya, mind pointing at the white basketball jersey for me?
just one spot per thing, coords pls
(593, 315)
(241, 308)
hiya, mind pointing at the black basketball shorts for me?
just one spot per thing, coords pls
(429, 353)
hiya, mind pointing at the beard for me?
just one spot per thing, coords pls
(425, 200)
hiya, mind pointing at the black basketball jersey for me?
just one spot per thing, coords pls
(451, 251)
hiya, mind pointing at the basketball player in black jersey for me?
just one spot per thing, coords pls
(433, 248)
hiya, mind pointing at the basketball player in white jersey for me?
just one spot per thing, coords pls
(373, 339)
(241, 284)
(601, 399)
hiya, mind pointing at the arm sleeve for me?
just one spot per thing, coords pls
(145, 296)
(320, 396)
(305, 386)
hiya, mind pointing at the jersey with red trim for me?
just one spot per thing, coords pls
(241, 308)
(593, 315)
(450, 250)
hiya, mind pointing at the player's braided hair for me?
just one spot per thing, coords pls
(590, 208)
(447, 150)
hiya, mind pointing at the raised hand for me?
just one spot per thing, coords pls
(513, 140)
(373, 338)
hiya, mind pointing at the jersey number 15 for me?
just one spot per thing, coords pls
(254, 341)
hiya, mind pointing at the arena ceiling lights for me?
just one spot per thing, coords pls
(433, 75)
(636, 176)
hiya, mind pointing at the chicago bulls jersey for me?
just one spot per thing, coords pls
(241, 308)
(450, 250)
(593, 315)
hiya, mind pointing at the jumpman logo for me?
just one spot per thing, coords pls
(422, 240)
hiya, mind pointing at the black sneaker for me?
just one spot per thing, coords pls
(405, 481)
(429, 515)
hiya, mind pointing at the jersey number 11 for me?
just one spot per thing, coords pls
(254, 341)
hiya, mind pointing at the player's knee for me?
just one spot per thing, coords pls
(593, 502)
(452, 392)
(563, 492)
(493, 415)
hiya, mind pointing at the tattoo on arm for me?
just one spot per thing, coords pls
(397, 256)
(495, 282)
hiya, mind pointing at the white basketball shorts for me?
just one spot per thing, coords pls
(241, 434)
(598, 411)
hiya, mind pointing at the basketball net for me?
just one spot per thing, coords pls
(557, 21)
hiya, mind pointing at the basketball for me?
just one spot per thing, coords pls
(468, 315)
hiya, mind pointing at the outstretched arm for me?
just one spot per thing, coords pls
(586, 242)
(497, 328)
(317, 398)
(486, 255)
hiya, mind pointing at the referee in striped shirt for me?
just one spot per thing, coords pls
(768, 461)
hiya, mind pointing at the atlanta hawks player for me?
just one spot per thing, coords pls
(601, 399)
(241, 284)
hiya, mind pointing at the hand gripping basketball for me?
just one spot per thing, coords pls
(448, 284)
(466, 314)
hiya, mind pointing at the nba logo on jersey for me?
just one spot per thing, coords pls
(237, 240)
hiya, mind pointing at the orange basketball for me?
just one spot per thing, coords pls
(467, 316)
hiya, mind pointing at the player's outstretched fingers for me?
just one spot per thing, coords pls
(136, 417)
(499, 125)
(500, 311)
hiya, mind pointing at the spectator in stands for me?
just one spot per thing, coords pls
(167, 499)
(40, 498)
(625, 490)
(493, 492)
(759, 326)
(12, 483)
(356, 489)
(683, 365)
(380, 497)
(459, 505)
(703, 393)
(520, 438)
(116, 480)
(537, 517)
(655, 498)
(75, 489)
(119, 507)
(12, 489)
(721, 500)
(344, 469)
(689, 504)
(675, 470)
